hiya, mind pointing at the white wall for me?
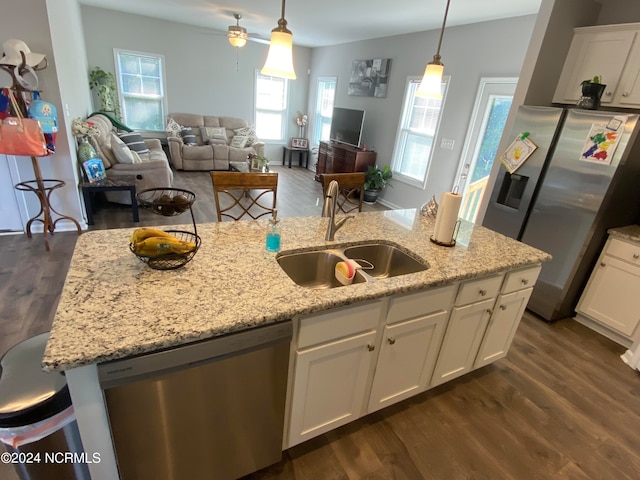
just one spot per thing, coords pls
(200, 64)
(488, 49)
(37, 22)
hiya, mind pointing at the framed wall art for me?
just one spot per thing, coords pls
(369, 78)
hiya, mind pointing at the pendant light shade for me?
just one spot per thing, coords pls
(280, 57)
(236, 34)
(431, 85)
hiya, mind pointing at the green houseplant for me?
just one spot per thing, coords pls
(592, 90)
(375, 180)
(104, 84)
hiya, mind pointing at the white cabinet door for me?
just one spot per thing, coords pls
(502, 326)
(465, 330)
(612, 296)
(329, 386)
(601, 53)
(628, 91)
(407, 356)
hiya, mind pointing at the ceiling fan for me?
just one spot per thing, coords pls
(238, 35)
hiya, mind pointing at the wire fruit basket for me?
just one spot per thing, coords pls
(166, 259)
(166, 201)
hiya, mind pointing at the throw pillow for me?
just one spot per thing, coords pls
(122, 153)
(188, 137)
(134, 142)
(213, 133)
(239, 141)
(249, 131)
(173, 128)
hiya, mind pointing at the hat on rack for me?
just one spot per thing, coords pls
(12, 48)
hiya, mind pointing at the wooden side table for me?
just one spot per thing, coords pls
(303, 155)
(123, 183)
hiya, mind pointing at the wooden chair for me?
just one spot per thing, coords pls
(351, 189)
(238, 194)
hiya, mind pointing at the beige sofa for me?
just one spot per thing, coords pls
(209, 153)
(151, 171)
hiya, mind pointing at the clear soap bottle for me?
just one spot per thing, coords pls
(273, 233)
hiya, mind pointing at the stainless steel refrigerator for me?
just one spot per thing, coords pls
(562, 203)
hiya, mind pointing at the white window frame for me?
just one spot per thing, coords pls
(318, 117)
(284, 110)
(163, 79)
(410, 88)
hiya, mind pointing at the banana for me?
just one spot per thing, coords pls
(155, 246)
(139, 234)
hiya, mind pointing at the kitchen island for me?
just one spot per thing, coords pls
(114, 307)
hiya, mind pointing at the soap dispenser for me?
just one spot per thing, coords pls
(273, 233)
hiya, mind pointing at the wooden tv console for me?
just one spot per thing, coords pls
(338, 158)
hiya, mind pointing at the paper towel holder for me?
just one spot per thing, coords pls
(456, 228)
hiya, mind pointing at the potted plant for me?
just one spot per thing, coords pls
(592, 90)
(375, 180)
(105, 85)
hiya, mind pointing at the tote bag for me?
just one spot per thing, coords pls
(21, 136)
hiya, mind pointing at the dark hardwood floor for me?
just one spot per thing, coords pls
(562, 405)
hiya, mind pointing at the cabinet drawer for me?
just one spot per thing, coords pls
(520, 279)
(480, 289)
(338, 323)
(415, 305)
(629, 252)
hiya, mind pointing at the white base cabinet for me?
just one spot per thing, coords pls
(355, 360)
(612, 295)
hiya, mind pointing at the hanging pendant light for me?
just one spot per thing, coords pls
(280, 57)
(431, 85)
(236, 34)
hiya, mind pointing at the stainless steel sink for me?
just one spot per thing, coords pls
(316, 268)
(386, 260)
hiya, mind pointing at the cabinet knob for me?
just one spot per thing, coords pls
(482, 292)
(525, 281)
(391, 340)
(636, 256)
(503, 307)
(489, 311)
(625, 94)
(608, 94)
(602, 264)
(371, 347)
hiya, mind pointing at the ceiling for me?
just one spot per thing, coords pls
(327, 22)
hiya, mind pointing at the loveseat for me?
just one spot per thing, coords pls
(203, 142)
(151, 168)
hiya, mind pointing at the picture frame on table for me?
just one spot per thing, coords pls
(300, 143)
(94, 170)
(255, 164)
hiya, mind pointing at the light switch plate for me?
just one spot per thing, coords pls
(447, 143)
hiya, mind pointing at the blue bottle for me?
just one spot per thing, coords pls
(273, 233)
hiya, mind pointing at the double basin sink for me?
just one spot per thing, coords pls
(316, 268)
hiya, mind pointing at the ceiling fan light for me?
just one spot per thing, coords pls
(280, 57)
(431, 84)
(236, 34)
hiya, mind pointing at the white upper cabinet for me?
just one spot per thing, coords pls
(611, 52)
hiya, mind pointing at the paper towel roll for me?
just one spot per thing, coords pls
(447, 217)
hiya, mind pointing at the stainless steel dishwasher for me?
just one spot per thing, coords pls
(207, 410)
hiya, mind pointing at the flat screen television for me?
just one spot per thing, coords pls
(346, 126)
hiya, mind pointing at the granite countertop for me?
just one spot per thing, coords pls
(114, 306)
(630, 232)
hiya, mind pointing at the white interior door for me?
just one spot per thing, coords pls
(490, 112)
(10, 218)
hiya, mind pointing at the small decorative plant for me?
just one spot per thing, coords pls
(83, 129)
(595, 79)
(376, 178)
(105, 85)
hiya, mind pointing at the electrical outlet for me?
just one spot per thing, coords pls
(447, 143)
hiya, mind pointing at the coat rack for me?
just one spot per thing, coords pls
(43, 188)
